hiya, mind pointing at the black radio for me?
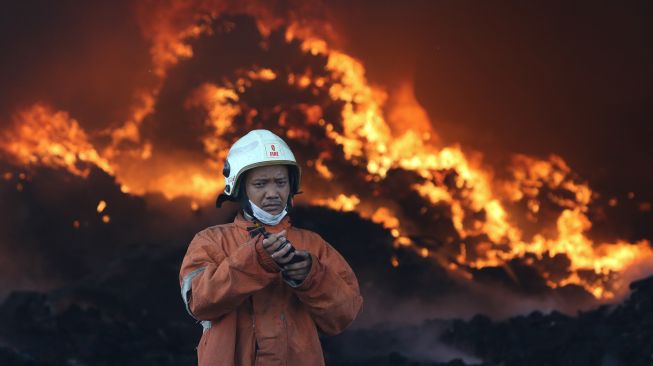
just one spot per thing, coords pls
(260, 229)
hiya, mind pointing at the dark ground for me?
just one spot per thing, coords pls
(134, 316)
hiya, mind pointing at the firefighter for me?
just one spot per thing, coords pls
(261, 288)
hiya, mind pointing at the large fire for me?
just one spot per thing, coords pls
(491, 218)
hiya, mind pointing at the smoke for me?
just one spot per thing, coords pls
(534, 78)
(84, 58)
(53, 235)
(160, 94)
(420, 344)
(537, 79)
(418, 289)
(562, 91)
(384, 308)
(221, 68)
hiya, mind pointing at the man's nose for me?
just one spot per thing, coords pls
(271, 193)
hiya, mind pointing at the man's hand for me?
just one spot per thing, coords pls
(298, 271)
(278, 247)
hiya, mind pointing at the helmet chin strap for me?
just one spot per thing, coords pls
(266, 217)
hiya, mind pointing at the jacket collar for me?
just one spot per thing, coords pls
(243, 223)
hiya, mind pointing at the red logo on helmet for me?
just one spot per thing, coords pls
(272, 151)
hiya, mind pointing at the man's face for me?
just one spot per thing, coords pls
(268, 187)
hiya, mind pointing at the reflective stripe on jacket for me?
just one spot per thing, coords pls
(250, 315)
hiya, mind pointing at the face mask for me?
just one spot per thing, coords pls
(266, 217)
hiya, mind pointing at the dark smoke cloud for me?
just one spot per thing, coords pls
(83, 57)
(525, 79)
(468, 68)
(537, 78)
(565, 78)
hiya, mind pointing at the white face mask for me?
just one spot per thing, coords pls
(266, 217)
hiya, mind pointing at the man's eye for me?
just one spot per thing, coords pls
(281, 183)
(258, 185)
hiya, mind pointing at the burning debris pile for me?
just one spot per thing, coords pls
(384, 161)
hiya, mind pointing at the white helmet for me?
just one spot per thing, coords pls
(257, 148)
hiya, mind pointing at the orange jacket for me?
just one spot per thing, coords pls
(249, 313)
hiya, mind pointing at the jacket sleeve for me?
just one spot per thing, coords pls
(330, 290)
(214, 284)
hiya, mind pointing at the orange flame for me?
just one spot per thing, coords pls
(369, 136)
(41, 136)
(340, 203)
(381, 130)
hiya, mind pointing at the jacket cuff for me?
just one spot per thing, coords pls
(313, 276)
(264, 259)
